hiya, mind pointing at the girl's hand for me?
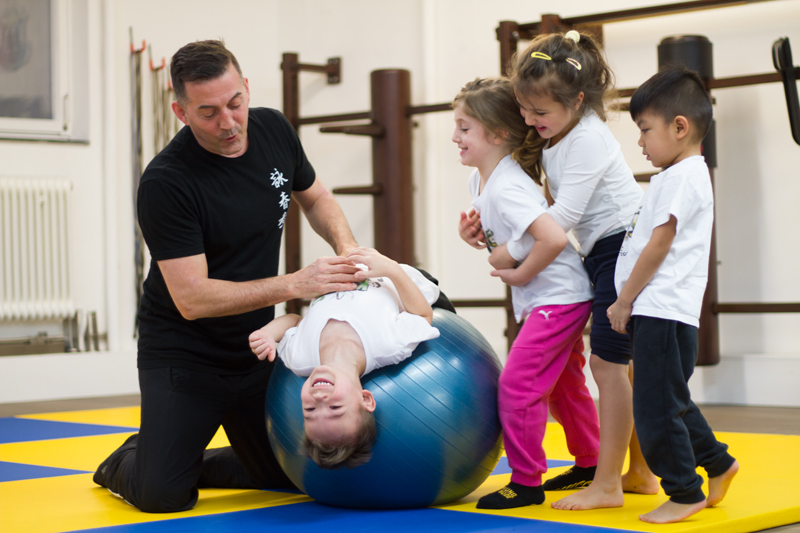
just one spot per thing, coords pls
(470, 230)
(377, 264)
(510, 276)
(263, 344)
(619, 314)
(501, 259)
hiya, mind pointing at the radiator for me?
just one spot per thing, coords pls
(35, 277)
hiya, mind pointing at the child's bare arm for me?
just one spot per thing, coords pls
(501, 259)
(653, 254)
(549, 241)
(264, 341)
(379, 265)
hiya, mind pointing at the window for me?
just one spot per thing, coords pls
(44, 70)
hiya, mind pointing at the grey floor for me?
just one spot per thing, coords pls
(774, 420)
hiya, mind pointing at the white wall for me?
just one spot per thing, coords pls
(444, 43)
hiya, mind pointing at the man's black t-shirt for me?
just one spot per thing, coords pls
(190, 202)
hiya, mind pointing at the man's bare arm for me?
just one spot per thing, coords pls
(326, 217)
(198, 296)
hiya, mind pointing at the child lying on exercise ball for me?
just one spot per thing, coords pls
(344, 336)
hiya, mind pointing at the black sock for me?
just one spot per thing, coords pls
(512, 495)
(576, 477)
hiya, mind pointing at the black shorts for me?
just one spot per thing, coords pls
(600, 264)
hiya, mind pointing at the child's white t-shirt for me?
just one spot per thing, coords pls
(388, 333)
(676, 291)
(595, 192)
(509, 203)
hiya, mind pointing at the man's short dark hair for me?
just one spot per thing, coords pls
(351, 453)
(200, 61)
(675, 91)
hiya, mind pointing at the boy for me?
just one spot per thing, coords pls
(344, 336)
(660, 279)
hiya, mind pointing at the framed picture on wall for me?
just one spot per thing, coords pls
(43, 70)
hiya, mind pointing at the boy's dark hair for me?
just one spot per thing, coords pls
(675, 91)
(200, 61)
(349, 454)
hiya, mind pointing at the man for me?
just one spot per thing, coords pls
(212, 206)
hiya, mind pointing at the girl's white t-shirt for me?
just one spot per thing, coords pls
(676, 291)
(387, 331)
(595, 192)
(509, 203)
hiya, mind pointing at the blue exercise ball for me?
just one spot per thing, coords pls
(438, 429)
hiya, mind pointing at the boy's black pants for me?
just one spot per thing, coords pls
(674, 436)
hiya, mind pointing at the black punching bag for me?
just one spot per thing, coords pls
(695, 52)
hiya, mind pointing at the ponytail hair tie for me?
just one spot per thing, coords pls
(573, 35)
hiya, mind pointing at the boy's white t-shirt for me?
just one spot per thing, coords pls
(388, 333)
(594, 190)
(509, 203)
(676, 291)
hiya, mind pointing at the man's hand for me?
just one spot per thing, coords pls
(325, 275)
(470, 230)
(619, 313)
(262, 344)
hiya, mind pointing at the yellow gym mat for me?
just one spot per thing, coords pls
(46, 487)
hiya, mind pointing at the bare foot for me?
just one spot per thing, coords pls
(669, 512)
(592, 497)
(639, 483)
(718, 486)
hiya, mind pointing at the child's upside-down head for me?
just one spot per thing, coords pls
(338, 419)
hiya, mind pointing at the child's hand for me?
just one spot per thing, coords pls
(470, 230)
(510, 276)
(377, 264)
(262, 344)
(619, 314)
(501, 259)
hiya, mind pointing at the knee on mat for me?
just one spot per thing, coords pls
(164, 500)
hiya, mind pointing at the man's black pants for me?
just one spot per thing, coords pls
(181, 411)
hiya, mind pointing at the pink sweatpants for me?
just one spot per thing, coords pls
(545, 366)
